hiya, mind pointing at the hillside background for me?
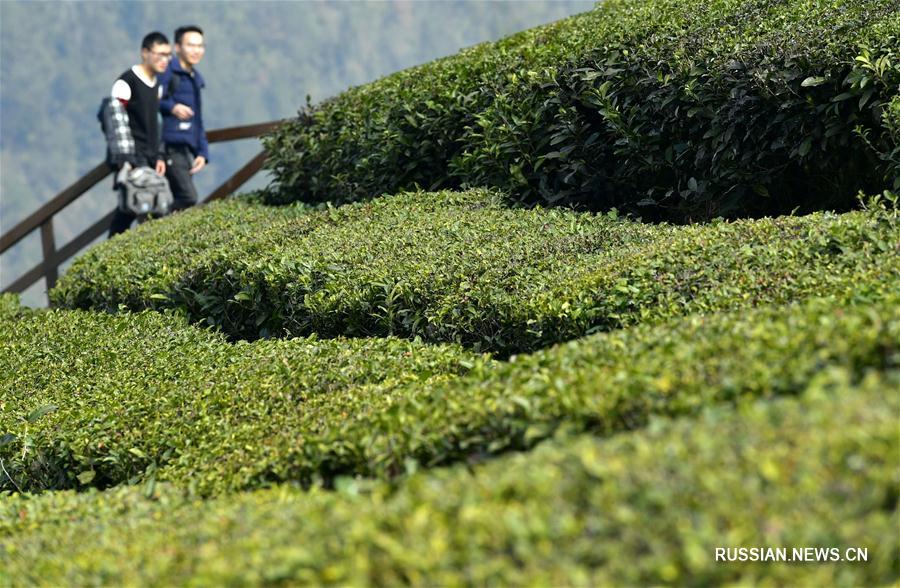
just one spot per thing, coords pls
(57, 59)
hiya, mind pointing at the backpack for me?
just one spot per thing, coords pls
(142, 192)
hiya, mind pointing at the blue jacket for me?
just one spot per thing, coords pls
(186, 91)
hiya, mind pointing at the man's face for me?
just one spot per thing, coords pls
(157, 57)
(191, 48)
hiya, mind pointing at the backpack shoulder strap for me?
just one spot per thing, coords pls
(101, 113)
(173, 84)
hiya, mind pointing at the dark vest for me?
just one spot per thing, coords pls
(143, 115)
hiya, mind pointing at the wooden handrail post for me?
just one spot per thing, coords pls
(48, 244)
(99, 228)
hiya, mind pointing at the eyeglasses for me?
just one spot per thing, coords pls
(165, 56)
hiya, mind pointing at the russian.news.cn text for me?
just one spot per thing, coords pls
(792, 554)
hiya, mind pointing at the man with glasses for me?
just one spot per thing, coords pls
(136, 94)
(187, 149)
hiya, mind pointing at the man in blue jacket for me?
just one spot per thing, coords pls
(187, 150)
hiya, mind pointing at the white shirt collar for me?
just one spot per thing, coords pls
(139, 72)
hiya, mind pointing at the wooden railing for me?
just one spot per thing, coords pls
(43, 218)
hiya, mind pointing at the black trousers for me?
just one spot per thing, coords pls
(121, 222)
(179, 161)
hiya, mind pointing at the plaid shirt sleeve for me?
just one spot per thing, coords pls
(118, 134)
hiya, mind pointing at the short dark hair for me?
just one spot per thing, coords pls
(154, 38)
(180, 31)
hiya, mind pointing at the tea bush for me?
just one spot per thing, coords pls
(145, 397)
(10, 305)
(159, 252)
(679, 109)
(641, 508)
(462, 267)
(96, 399)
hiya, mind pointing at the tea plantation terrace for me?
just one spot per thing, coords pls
(577, 307)
(216, 417)
(576, 510)
(465, 268)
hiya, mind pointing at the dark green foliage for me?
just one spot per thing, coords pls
(95, 399)
(673, 108)
(642, 508)
(461, 267)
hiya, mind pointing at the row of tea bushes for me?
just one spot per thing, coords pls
(155, 254)
(461, 267)
(145, 398)
(642, 508)
(676, 108)
(146, 269)
(95, 399)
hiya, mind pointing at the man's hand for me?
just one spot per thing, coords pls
(199, 163)
(182, 112)
(160, 167)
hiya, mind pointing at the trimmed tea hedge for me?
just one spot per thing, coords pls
(461, 267)
(98, 399)
(642, 508)
(154, 254)
(674, 108)
(144, 398)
